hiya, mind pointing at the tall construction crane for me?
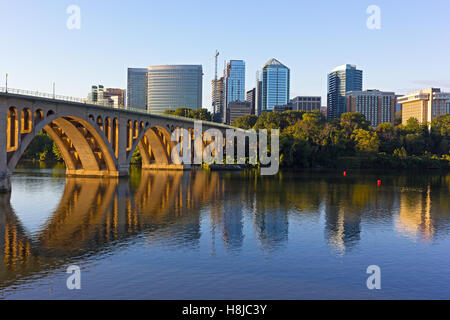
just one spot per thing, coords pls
(215, 57)
(215, 82)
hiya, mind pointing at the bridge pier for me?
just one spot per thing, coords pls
(5, 183)
(123, 170)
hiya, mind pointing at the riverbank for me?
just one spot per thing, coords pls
(382, 162)
(389, 162)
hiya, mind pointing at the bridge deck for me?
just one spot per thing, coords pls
(47, 97)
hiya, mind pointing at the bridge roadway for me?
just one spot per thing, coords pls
(94, 140)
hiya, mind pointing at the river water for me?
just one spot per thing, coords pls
(226, 235)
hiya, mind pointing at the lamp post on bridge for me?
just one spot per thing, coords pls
(6, 83)
(54, 96)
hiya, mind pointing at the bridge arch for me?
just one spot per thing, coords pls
(155, 146)
(82, 146)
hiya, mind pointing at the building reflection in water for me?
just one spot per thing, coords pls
(344, 206)
(166, 207)
(229, 221)
(424, 213)
(414, 218)
(272, 229)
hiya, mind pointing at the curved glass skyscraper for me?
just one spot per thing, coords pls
(174, 86)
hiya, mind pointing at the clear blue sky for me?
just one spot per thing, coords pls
(411, 51)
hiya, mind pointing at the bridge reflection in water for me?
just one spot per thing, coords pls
(94, 212)
(95, 215)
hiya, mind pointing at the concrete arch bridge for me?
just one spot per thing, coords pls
(94, 140)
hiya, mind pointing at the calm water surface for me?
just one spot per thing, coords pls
(221, 235)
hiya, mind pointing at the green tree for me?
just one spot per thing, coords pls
(294, 152)
(414, 137)
(292, 117)
(270, 120)
(388, 137)
(412, 125)
(414, 143)
(56, 152)
(48, 155)
(181, 112)
(311, 127)
(440, 134)
(441, 125)
(366, 141)
(136, 157)
(333, 142)
(42, 148)
(245, 122)
(400, 153)
(350, 121)
(37, 146)
(201, 114)
(198, 114)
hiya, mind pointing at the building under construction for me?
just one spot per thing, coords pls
(218, 98)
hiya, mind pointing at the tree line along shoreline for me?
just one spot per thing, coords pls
(308, 140)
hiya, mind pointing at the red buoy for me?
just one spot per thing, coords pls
(345, 173)
(379, 183)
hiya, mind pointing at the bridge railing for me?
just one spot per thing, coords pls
(85, 101)
(40, 94)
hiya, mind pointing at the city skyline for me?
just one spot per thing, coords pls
(69, 62)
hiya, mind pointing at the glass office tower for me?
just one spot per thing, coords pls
(341, 80)
(275, 86)
(174, 86)
(235, 81)
(137, 88)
